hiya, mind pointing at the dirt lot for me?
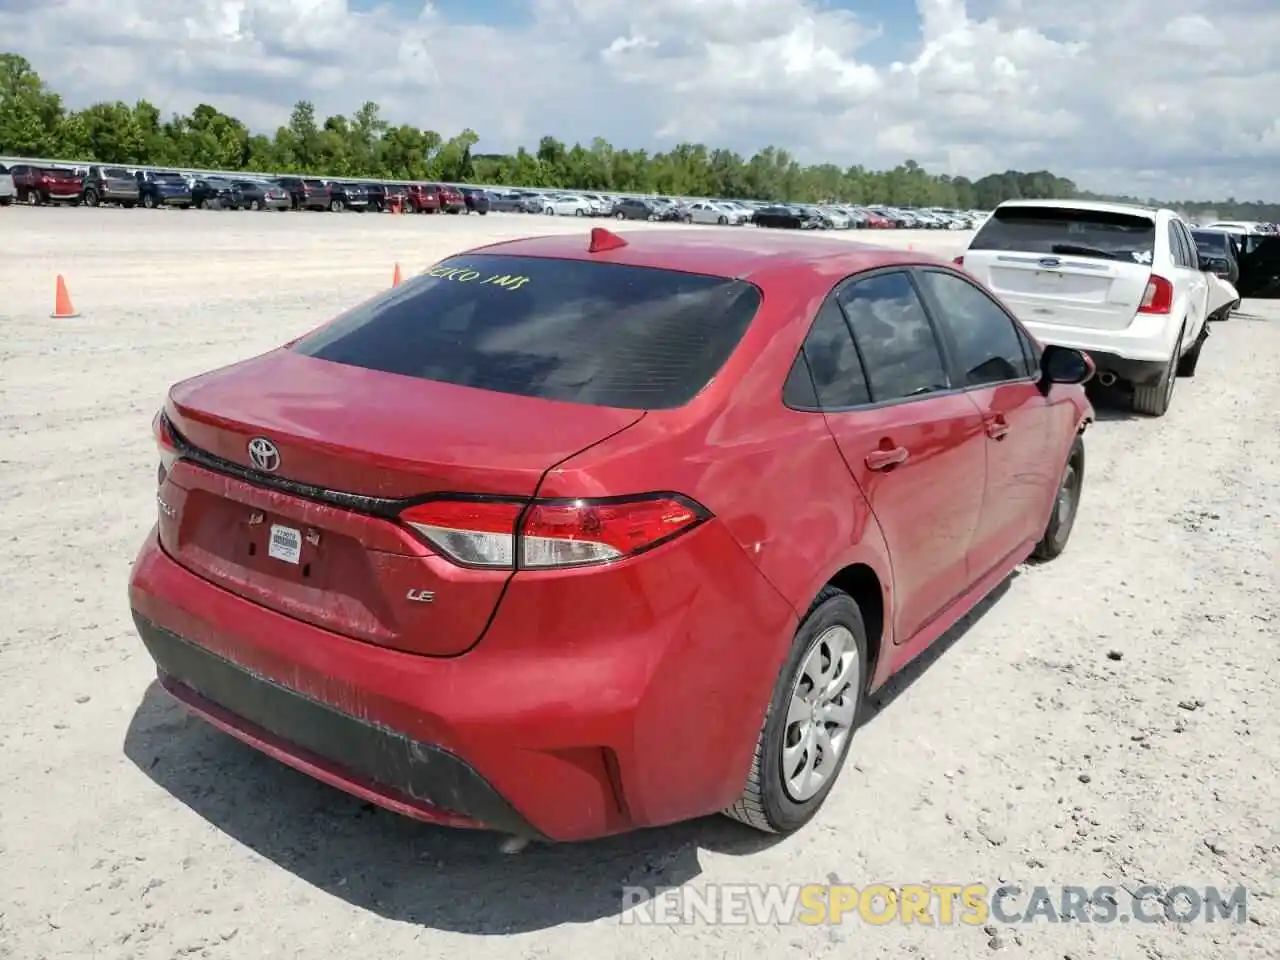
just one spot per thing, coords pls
(1111, 718)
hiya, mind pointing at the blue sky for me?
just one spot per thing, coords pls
(1164, 98)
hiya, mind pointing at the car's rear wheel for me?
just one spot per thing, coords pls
(1065, 506)
(91, 198)
(1191, 359)
(619, 215)
(33, 198)
(723, 221)
(1154, 399)
(254, 205)
(811, 718)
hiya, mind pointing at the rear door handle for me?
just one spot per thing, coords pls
(997, 427)
(884, 459)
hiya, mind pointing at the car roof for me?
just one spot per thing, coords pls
(738, 254)
(1103, 206)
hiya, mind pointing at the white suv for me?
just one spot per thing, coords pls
(1121, 282)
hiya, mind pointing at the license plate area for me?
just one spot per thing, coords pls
(285, 544)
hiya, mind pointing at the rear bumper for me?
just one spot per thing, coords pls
(632, 700)
(1147, 340)
(415, 778)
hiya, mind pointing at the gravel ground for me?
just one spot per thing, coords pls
(1110, 718)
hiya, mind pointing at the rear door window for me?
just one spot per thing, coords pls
(1178, 249)
(569, 330)
(830, 358)
(987, 346)
(900, 350)
(1066, 231)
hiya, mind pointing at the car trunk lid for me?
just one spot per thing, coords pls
(312, 532)
(1066, 266)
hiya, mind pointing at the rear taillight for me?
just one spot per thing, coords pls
(167, 443)
(1158, 297)
(546, 534)
(958, 261)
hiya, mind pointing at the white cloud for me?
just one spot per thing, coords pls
(1164, 97)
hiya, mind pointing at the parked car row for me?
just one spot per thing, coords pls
(1133, 287)
(100, 184)
(832, 216)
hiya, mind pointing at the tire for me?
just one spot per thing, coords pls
(5, 201)
(336, 206)
(1191, 359)
(91, 198)
(207, 204)
(687, 219)
(723, 221)
(549, 211)
(619, 215)
(1154, 400)
(254, 205)
(33, 198)
(579, 212)
(767, 802)
(1066, 506)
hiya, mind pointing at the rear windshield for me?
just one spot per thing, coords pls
(594, 333)
(1109, 235)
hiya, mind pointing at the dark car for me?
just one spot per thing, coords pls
(784, 217)
(1221, 251)
(347, 196)
(36, 185)
(306, 193)
(1259, 256)
(476, 200)
(507, 201)
(261, 195)
(215, 193)
(505, 546)
(162, 189)
(631, 208)
(382, 196)
(110, 185)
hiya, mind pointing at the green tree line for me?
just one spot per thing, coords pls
(34, 122)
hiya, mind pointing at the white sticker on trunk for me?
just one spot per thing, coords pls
(285, 544)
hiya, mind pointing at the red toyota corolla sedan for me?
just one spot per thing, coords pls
(566, 537)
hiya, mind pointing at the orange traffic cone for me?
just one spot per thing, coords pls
(63, 308)
(395, 277)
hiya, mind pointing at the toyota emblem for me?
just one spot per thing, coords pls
(264, 455)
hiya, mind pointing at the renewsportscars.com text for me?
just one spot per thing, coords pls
(934, 904)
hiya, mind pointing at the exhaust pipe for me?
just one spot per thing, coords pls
(1107, 379)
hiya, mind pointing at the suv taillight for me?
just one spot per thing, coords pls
(958, 261)
(546, 534)
(167, 443)
(1158, 297)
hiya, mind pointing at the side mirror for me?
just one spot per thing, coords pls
(1065, 365)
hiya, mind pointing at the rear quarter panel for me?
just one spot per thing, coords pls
(773, 477)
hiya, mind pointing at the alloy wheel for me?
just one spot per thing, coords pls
(820, 717)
